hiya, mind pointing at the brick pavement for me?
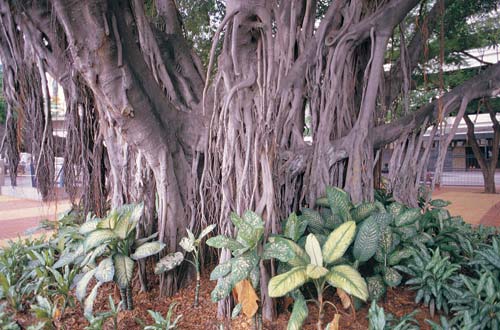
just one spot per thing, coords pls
(18, 215)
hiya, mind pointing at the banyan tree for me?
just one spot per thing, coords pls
(148, 121)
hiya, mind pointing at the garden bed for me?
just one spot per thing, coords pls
(399, 302)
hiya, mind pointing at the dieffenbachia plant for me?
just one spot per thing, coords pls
(320, 265)
(112, 239)
(244, 265)
(190, 244)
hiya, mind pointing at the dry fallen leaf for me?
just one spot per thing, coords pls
(344, 298)
(245, 295)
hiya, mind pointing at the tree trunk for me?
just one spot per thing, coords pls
(489, 181)
(488, 167)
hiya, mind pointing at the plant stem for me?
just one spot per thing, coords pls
(197, 289)
(130, 301)
(123, 295)
(319, 288)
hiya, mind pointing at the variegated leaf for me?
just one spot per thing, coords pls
(81, 286)
(98, 237)
(89, 302)
(282, 284)
(105, 271)
(206, 231)
(348, 279)
(147, 249)
(338, 242)
(169, 262)
(124, 270)
(314, 250)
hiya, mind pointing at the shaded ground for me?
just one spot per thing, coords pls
(399, 302)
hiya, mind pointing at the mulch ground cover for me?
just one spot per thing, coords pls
(399, 301)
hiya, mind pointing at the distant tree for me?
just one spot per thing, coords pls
(487, 163)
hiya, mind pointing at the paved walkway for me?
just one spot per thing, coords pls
(472, 204)
(18, 215)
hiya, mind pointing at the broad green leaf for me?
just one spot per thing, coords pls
(338, 242)
(147, 249)
(299, 314)
(407, 217)
(124, 270)
(141, 241)
(206, 231)
(65, 259)
(109, 222)
(348, 279)
(89, 302)
(282, 284)
(314, 272)
(81, 286)
(220, 270)
(105, 271)
(222, 241)
(367, 239)
(187, 244)
(98, 237)
(253, 219)
(88, 226)
(278, 249)
(250, 228)
(122, 228)
(294, 227)
(339, 202)
(314, 250)
(300, 256)
(242, 266)
(169, 262)
(300, 259)
(313, 219)
(222, 289)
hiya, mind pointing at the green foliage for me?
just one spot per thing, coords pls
(378, 320)
(320, 269)
(6, 321)
(96, 322)
(113, 241)
(45, 311)
(432, 277)
(190, 244)
(367, 240)
(160, 322)
(245, 253)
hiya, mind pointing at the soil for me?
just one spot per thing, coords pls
(399, 301)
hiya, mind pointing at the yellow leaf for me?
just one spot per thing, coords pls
(245, 295)
(344, 298)
(335, 324)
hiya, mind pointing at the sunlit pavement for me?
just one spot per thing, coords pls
(472, 204)
(18, 215)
